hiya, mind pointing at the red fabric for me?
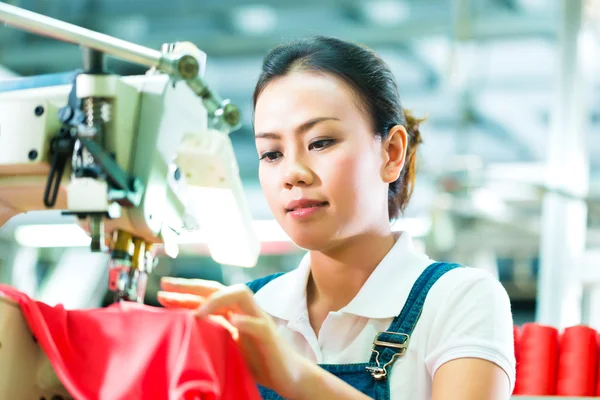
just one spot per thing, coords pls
(132, 351)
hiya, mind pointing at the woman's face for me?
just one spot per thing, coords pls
(320, 162)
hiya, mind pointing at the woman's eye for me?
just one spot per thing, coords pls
(320, 144)
(270, 156)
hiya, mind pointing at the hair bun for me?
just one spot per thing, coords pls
(412, 125)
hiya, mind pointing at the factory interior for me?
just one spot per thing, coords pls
(508, 175)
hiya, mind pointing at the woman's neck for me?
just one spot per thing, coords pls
(338, 274)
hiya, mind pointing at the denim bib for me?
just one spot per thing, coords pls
(371, 377)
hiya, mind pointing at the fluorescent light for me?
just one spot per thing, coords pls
(486, 201)
(267, 231)
(255, 19)
(224, 237)
(53, 235)
(228, 230)
(417, 227)
(386, 12)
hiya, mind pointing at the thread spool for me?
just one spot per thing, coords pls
(538, 360)
(577, 362)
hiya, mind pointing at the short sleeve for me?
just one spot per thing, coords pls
(474, 320)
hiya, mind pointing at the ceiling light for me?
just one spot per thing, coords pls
(255, 19)
(267, 231)
(52, 235)
(386, 12)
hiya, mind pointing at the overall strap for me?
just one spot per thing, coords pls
(394, 342)
(407, 320)
(257, 284)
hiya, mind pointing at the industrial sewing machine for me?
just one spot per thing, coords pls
(138, 160)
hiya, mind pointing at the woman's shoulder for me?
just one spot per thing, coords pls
(466, 277)
(468, 315)
(469, 286)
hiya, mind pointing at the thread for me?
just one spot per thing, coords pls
(538, 360)
(577, 362)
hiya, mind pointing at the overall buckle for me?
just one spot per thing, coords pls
(380, 372)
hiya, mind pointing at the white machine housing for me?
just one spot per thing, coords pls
(158, 131)
(156, 127)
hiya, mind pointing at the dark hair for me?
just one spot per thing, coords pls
(373, 82)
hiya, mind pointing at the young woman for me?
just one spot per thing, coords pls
(365, 315)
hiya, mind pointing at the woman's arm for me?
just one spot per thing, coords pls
(470, 379)
(470, 350)
(318, 384)
(272, 362)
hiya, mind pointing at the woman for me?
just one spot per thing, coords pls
(337, 164)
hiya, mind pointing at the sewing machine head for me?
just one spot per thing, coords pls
(137, 159)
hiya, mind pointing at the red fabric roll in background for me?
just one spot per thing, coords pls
(516, 335)
(577, 362)
(598, 376)
(538, 360)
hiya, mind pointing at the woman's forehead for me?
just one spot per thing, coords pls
(301, 96)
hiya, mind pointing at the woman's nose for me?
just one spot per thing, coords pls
(297, 174)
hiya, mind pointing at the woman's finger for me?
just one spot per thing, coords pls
(199, 287)
(226, 324)
(179, 300)
(231, 298)
(254, 326)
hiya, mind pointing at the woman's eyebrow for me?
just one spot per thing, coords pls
(303, 127)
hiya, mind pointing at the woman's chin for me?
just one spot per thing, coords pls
(307, 241)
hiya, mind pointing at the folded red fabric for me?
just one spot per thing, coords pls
(132, 351)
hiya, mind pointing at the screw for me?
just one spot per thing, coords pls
(188, 67)
(39, 110)
(65, 114)
(231, 115)
(33, 154)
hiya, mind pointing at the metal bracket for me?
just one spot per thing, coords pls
(380, 372)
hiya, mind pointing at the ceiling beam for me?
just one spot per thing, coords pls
(51, 57)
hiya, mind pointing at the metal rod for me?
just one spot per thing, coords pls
(46, 26)
(564, 219)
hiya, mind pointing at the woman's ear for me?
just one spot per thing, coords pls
(394, 153)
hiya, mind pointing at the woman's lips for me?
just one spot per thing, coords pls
(301, 211)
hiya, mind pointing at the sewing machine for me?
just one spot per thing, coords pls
(138, 160)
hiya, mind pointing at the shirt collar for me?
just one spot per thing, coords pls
(382, 296)
(285, 296)
(384, 293)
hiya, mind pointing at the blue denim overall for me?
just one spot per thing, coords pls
(371, 377)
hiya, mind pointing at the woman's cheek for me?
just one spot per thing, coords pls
(269, 184)
(342, 174)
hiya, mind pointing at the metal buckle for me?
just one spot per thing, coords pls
(380, 372)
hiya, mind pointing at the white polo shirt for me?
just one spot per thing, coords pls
(466, 314)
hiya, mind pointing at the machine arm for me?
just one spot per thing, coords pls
(184, 65)
(141, 158)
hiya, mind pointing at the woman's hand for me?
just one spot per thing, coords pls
(272, 363)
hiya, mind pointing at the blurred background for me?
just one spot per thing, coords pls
(508, 180)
